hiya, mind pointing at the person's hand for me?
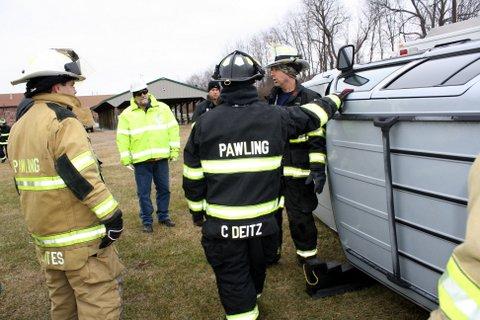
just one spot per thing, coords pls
(173, 155)
(342, 95)
(318, 178)
(114, 227)
(198, 218)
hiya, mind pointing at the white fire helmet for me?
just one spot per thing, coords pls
(286, 55)
(52, 62)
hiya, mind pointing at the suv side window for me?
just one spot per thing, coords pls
(436, 72)
(464, 75)
(368, 78)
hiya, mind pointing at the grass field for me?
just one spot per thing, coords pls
(167, 276)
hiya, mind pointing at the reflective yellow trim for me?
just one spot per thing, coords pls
(250, 315)
(172, 124)
(318, 111)
(174, 144)
(317, 157)
(125, 154)
(196, 206)
(242, 212)
(142, 130)
(281, 204)
(193, 173)
(459, 296)
(242, 165)
(70, 238)
(335, 100)
(320, 132)
(307, 254)
(105, 207)
(300, 139)
(151, 152)
(40, 183)
(83, 160)
(295, 172)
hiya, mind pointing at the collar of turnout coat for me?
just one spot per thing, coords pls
(239, 95)
(65, 100)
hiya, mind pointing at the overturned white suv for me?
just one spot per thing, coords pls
(398, 160)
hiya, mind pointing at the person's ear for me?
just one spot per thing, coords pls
(55, 88)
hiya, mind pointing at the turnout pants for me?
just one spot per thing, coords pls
(240, 270)
(300, 201)
(89, 293)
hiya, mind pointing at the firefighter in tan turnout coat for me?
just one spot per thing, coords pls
(69, 212)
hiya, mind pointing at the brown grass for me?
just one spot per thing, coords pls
(167, 276)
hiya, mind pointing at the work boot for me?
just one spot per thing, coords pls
(147, 228)
(169, 223)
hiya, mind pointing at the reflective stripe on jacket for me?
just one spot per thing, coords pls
(232, 166)
(4, 134)
(307, 151)
(62, 194)
(144, 135)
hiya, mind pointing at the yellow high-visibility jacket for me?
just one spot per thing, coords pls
(144, 135)
(62, 195)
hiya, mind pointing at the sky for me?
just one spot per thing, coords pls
(119, 40)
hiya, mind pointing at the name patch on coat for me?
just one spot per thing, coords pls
(241, 232)
(243, 148)
(54, 258)
(26, 165)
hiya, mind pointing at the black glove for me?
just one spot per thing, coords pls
(114, 227)
(197, 218)
(318, 179)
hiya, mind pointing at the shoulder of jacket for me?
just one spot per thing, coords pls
(309, 92)
(61, 113)
(126, 111)
(163, 107)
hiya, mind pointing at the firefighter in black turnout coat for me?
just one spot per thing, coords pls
(304, 158)
(4, 134)
(232, 176)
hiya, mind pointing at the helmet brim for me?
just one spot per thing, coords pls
(46, 74)
(301, 62)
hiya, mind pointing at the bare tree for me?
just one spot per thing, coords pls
(319, 27)
(329, 17)
(417, 17)
(201, 79)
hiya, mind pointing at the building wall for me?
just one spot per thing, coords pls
(9, 114)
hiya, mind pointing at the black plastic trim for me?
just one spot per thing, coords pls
(412, 118)
(429, 231)
(420, 262)
(432, 155)
(430, 194)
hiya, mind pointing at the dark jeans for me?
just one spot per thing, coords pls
(145, 172)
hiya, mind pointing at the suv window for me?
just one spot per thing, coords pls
(464, 75)
(366, 80)
(431, 73)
